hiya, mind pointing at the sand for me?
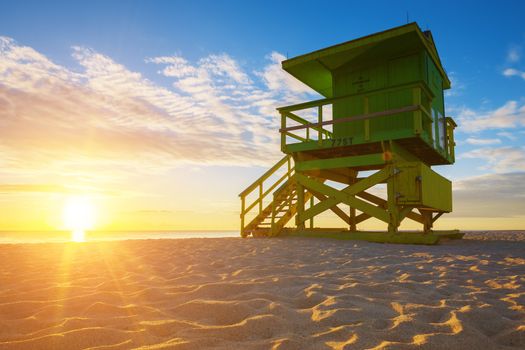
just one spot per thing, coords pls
(288, 293)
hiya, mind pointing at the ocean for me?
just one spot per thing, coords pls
(11, 237)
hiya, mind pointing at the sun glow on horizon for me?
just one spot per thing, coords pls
(78, 215)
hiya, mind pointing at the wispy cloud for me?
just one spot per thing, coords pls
(482, 142)
(510, 115)
(457, 85)
(107, 115)
(499, 159)
(513, 57)
(511, 72)
(278, 80)
(33, 188)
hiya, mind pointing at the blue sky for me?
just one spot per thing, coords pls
(239, 43)
(473, 37)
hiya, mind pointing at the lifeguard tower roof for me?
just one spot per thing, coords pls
(315, 68)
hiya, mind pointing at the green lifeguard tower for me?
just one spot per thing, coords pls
(383, 116)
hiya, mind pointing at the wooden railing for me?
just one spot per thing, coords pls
(450, 126)
(314, 131)
(260, 185)
(304, 124)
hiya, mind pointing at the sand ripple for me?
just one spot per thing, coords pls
(290, 294)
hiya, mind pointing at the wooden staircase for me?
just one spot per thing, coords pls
(276, 214)
(271, 218)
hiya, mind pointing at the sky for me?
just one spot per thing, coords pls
(162, 112)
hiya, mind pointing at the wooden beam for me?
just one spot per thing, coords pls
(332, 175)
(382, 203)
(341, 162)
(353, 189)
(438, 215)
(362, 217)
(335, 208)
(342, 196)
(300, 204)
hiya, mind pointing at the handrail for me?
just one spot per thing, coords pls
(264, 176)
(419, 107)
(316, 126)
(327, 101)
(353, 118)
(245, 209)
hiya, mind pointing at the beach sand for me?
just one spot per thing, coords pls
(283, 293)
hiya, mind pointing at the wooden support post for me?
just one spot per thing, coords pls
(416, 101)
(243, 206)
(435, 125)
(272, 227)
(353, 224)
(391, 204)
(353, 221)
(312, 218)
(300, 206)
(283, 134)
(427, 220)
(452, 145)
(320, 120)
(450, 137)
(260, 198)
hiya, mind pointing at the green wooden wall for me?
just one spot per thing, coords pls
(363, 78)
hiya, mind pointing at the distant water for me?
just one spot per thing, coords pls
(93, 236)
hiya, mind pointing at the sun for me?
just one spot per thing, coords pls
(78, 215)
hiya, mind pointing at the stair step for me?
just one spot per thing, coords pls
(270, 218)
(285, 201)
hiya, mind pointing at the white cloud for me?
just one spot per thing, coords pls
(482, 142)
(219, 83)
(177, 66)
(108, 117)
(457, 86)
(499, 159)
(224, 65)
(277, 79)
(510, 115)
(511, 72)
